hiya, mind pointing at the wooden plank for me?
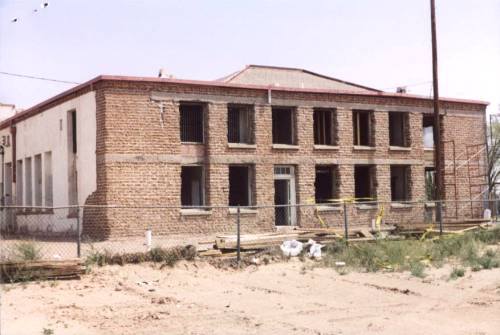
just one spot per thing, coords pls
(11, 271)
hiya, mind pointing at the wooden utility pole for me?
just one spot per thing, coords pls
(438, 164)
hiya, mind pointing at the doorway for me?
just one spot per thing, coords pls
(284, 196)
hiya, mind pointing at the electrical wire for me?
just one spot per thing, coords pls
(38, 78)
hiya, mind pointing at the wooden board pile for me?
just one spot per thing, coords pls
(456, 226)
(225, 245)
(29, 270)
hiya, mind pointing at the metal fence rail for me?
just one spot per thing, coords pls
(79, 231)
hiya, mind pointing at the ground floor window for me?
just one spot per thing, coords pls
(365, 182)
(400, 183)
(241, 183)
(326, 183)
(192, 186)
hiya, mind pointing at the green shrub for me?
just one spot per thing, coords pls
(417, 269)
(457, 272)
(27, 251)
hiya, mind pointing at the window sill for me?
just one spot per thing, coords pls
(234, 210)
(193, 143)
(430, 204)
(401, 205)
(428, 149)
(398, 148)
(286, 146)
(326, 208)
(241, 146)
(325, 147)
(367, 207)
(195, 212)
(363, 148)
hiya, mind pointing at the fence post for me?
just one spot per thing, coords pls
(78, 233)
(439, 217)
(346, 224)
(238, 246)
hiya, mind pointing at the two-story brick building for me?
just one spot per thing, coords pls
(261, 136)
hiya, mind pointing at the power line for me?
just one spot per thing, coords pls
(38, 78)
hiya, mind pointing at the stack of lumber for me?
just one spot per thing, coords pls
(53, 269)
(448, 226)
(266, 240)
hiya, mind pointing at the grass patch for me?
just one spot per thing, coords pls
(166, 256)
(27, 251)
(468, 249)
(456, 273)
(417, 269)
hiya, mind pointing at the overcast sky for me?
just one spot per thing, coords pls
(383, 43)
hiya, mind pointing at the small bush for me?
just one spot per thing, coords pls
(488, 236)
(417, 269)
(489, 260)
(96, 258)
(27, 251)
(456, 273)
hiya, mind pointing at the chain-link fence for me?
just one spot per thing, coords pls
(79, 231)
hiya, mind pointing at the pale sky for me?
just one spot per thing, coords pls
(382, 44)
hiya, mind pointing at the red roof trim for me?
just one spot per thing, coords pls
(37, 108)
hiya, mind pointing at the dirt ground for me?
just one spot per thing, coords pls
(281, 298)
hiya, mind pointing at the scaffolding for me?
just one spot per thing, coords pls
(449, 178)
(476, 177)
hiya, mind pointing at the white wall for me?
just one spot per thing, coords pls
(48, 131)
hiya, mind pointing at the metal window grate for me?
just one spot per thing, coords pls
(191, 123)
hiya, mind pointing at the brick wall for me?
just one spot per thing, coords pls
(139, 160)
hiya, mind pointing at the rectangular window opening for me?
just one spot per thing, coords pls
(326, 184)
(362, 128)
(8, 184)
(430, 186)
(240, 185)
(398, 129)
(325, 127)
(28, 179)
(283, 125)
(19, 183)
(38, 180)
(72, 132)
(240, 120)
(191, 122)
(192, 186)
(428, 131)
(364, 183)
(47, 168)
(400, 183)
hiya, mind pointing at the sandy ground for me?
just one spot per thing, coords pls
(282, 298)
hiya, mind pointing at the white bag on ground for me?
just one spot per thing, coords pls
(315, 249)
(291, 248)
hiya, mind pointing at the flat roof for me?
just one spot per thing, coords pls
(39, 107)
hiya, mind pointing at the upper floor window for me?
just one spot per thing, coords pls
(240, 121)
(325, 127)
(362, 125)
(428, 131)
(399, 129)
(283, 125)
(191, 122)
